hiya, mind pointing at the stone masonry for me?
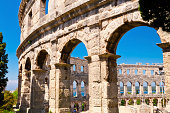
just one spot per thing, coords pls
(48, 39)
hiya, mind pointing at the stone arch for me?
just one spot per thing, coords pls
(42, 58)
(153, 85)
(118, 33)
(83, 89)
(121, 85)
(26, 85)
(28, 64)
(162, 87)
(129, 87)
(75, 90)
(68, 48)
(145, 87)
(137, 87)
(117, 28)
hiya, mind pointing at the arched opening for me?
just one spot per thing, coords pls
(136, 43)
(129, 87)
(123, 102)
(42, 59)
(83, 107)
(26, 84)
(73, 53)
(147, 101)
(130, 102)
(75, 89)
(121, 88)
(137, 87)
(155, 102)
(138, 101)
(40, 83)
(28, 64)
(162, 87)
(153, 85)
(76, 107)
(145, 88)
(83, 92)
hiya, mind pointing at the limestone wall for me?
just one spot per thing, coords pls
(99, 24)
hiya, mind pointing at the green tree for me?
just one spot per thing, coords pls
(138, 102)
(3, 68)
(15, 94)
(156, 12)
(137, 91)
(123, 102)
(8, 102)
(131, 102)
(147, 101)
(155, 102)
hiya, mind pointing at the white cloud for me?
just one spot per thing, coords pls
(12, 85)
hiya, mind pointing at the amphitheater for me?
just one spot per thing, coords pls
(48, 38)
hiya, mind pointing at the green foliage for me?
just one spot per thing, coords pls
(3, 68)
(129, 92)
(8, 102)
(147, 101)
(138, 102)
(131, 102)
(6, 111)
(83, 106)
(123, 102)
(51, 112)
(15, 94)
(137, 91)
(155, 102)
(156, 12)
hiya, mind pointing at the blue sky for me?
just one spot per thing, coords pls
(9, 26)
(137, 45)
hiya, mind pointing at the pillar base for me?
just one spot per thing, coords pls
(168, 107)
(35, 110)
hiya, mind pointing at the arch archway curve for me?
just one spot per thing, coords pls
(118, 27)
(41, 57)
(69, 45)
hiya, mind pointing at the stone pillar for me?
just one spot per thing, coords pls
(79, 89)
(125, 89)
(71, 89)
(109, 83)
(141, 89)
(62, 100)
(25, 91)
(135, 102)
(159, 103)
(95, 87)
(157, 89)
(165, 45)
(133, 89)
(38, 91)
(127, 102)
(52, 89)
(19, 89)
(151, 104)
(149, 89)
(103, 87)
